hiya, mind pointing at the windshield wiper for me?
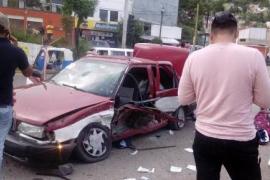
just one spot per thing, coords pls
(74, 87)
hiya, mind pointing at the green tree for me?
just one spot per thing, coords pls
(187, 13)
(241, 8)
(134, 32)
(82, 9)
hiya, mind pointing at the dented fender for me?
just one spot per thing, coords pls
(72, 131)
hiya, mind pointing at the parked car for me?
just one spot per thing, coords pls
(92, 103)
(111, 51)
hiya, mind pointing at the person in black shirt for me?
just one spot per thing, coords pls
(11, 58)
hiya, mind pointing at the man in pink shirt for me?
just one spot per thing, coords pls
(225, 79)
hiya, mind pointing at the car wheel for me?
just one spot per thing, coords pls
(181, 119)
(94, 143)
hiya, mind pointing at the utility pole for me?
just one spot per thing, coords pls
(125, 25)
(196, 25)
(161, 22)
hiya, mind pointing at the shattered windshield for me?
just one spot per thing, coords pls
(92, 76)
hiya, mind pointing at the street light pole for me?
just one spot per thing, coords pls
(125, 25)
(161, 22)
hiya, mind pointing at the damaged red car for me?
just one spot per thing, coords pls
(92, 103)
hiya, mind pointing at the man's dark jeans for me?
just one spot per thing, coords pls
(239, 158)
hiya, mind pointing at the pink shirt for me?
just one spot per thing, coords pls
(225, 79)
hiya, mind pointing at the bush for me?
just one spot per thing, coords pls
(25, 37)
(157, 41)
(83, 48)
(62, 42)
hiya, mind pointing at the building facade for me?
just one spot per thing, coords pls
(31, 16)
(150, 11)
(101, 28)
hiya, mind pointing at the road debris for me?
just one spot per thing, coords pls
(130, 179)
(145, 170)
(269, 162)
(62, 171)
(125, 144)
(154, 148)
(190, 150)
(191, 167)
(171, 132)
(175, 169)
(134, 152)
(144, 178)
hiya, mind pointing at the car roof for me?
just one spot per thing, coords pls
(112, 49)
(124, 60)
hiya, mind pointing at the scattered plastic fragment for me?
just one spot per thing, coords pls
(175, 169)
(158, 136)
(171, 132)
(189, 150)
(123, 144)
(269, 162)
(191, 167)
(130, 179)
(134, 152)
(145, 170)
(144, 178)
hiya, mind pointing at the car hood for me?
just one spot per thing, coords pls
(40, 104)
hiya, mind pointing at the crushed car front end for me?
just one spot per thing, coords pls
(29, 142)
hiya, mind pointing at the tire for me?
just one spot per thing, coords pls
(101, 146)
(181, 119)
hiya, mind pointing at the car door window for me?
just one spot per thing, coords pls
(103, 52)
(135, 86)
(55, 61)
(167, 78)
(118, 53)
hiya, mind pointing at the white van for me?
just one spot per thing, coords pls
(111, 51)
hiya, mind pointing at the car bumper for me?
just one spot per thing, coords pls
(24, 149)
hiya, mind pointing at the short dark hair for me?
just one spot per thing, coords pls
(3, 30)
(224, 21)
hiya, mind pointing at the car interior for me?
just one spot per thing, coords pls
(135, 86)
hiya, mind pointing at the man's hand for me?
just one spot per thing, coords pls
(28, 71)
(38, 81)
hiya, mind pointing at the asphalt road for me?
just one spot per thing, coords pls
(122, 164)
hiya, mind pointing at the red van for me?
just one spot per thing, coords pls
(156, 52)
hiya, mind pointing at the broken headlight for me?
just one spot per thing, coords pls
(31, 130)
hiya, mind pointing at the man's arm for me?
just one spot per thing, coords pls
(23, 64)
(28, 71)
(261, 89)
(186, 91)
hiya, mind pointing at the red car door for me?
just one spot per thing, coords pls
(167, 81)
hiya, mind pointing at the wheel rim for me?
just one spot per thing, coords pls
(181, 118)
(94, 142)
